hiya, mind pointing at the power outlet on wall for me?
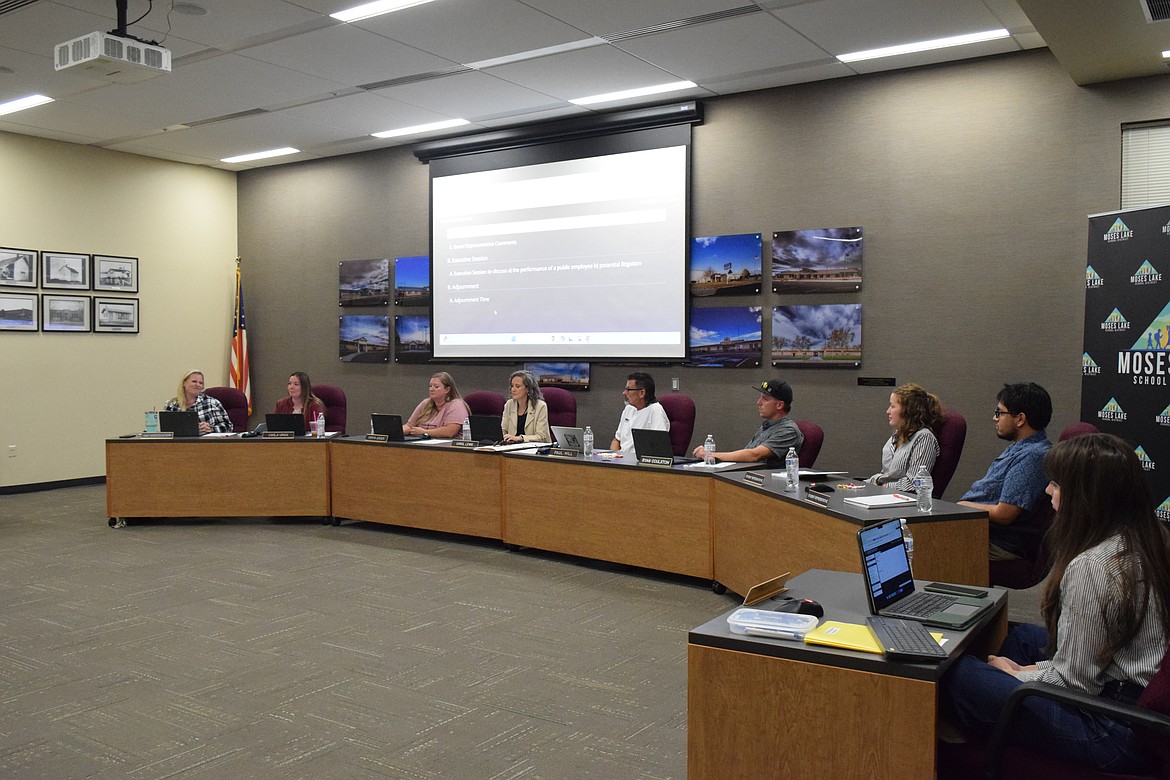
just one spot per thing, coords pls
(674, 383)
(12, 450)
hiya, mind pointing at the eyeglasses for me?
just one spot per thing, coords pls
(631, 389)
(1000, 412)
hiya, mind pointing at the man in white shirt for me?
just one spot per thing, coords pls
(642, 411)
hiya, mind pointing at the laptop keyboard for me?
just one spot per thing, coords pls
(923, 604)
(905, 638)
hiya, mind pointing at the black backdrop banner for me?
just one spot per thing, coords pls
(1125, 369)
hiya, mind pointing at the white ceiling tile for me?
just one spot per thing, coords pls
(601, 17)
(583, 73)
(471, 95)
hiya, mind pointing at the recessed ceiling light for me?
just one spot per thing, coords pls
(377, 8)
(189, 9)
(260, 155)
(911, 48)
(20, 104)
(657, 89)
(421, 128)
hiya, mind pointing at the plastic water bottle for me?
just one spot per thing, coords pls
(319, 425)
(792, 468)
(588, 443)
(908, 540)
(466, 435)
(924, 487)
(709, 446)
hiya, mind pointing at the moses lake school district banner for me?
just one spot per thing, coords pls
(1125, 368)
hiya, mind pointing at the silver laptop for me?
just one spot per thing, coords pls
(569, 438)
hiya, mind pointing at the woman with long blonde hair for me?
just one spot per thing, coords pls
(442, 413)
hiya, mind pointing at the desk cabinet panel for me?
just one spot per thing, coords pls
(422, 486)
(756, 717)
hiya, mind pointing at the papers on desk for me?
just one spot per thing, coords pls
(881, 501)
(520, 445)
(432, 441)
(703, 466)
(216, 435)
(851, 636)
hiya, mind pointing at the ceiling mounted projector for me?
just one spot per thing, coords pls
(112, 58)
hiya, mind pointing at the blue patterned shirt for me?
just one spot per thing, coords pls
(1016, 477)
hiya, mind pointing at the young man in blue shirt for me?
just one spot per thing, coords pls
(1014, 484)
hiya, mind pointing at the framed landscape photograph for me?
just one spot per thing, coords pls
(65, 313)
(115, 315)
(726, 337)
(60, 270)
(18, 311)
(412, 338)
(363, 338)
(412, 281)
(363, 282)
(18, 267)
(822, 336)
(115, 274)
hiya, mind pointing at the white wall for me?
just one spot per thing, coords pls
(63, 394)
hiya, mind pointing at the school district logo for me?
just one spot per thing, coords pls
(1115, 322)
(1118, 232)
(1164, 417)
(1166, 229)
(1147, 274)
(1147, 464)
(1112, 412)
(1089, 366)
(1093, 279)
(1163, 510)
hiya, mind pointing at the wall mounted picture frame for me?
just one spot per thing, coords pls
(726, 337)
(65, 313)
(19, 267)
(821, 336)
(115, 315)
(18, 311)
(726, 265)
(363, 282)
(64, 271)
(570, 376)
(412, 281)
(363, 338)
(825, 260)
(115, 274)
(412, 338)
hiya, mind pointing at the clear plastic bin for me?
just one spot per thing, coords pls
(777, 625)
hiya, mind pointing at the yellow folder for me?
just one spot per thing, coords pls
(851, 636)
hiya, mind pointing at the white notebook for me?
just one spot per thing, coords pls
(885, 500)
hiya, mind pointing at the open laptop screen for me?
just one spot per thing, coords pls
(884, 563)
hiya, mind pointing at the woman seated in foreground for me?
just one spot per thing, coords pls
(1106, 608)
(442, 413)
(913, 413)
(213, 418)
(525, 414)
(300, 399)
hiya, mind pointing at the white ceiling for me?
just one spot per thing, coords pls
(250, 75)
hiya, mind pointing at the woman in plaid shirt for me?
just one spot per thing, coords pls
(212, 416)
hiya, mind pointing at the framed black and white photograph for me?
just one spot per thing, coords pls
(60, 270)
(18, 311)
(65, 313)
(115, 274)
(115, 315)
(18, 267)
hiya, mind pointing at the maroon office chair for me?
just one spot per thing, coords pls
(1078, 429)
(562, 406)
(1149, 718)
(236, 404)
(952, 435)
(485, 402)
(681, 411)
(1034, 564)
(810, 448)
(336, 407)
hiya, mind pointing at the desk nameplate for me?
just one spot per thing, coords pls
(157, 435)
(564, 452)
(382, 437)
(753, 479)
(467, 445)
(656, 460)
(278, 435)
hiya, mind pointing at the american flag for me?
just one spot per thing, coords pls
(240, 374)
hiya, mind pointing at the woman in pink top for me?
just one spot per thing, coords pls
(443, 412)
